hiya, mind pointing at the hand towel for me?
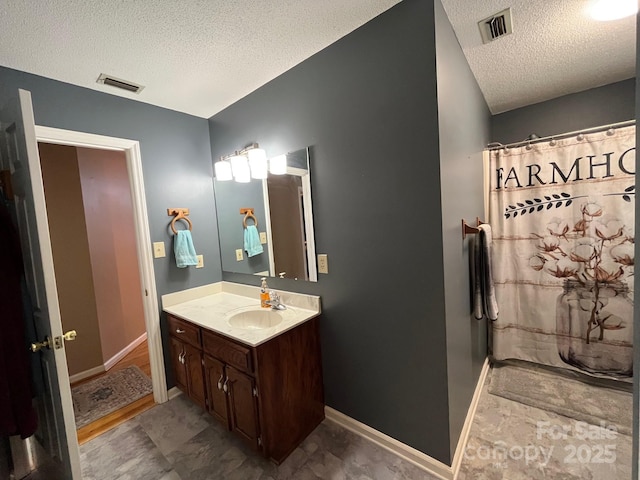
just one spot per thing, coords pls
(484, 295)
(252, 243)
(184, 250)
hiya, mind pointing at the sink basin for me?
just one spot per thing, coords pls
(255, 319)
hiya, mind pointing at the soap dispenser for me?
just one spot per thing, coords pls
(264, 294)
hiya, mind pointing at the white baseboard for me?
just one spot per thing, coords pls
(86, 374)
(466, 428)
(410, 454)
(173, 393)
(125, 351)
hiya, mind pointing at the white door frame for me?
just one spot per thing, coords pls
(131, 148)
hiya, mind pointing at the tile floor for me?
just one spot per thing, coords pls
(178, 441)
(512, 441)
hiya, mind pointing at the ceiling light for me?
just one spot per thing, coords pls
(278, 165)
(605, 10)
(223, 171)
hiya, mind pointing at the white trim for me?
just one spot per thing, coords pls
(143, 239)
(466, 428)
(76, 377)
(173, 393)
(410, 454)
(267, 215)
(308, 225)
(125, 351)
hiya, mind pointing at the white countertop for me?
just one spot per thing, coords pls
(211, 307)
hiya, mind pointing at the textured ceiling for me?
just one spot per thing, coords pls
(556, 49)
(199, 56)
(195, 56)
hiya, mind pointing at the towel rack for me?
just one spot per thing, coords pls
(179, 214)
(248, 213)
(468, 229)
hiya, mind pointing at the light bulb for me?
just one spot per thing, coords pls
(606, 10)
(278, 165)
(240, 168)
(223, 171)
(258, 163)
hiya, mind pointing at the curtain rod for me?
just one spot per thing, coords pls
(497, 145)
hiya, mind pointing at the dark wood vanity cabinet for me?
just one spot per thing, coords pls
(186, 358)
(270, 395)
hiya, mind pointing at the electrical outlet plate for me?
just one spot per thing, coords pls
(239, 255)
(263, 237)
(323, 263)
(158, 250)
(200, 261)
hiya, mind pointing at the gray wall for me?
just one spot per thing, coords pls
(464, 122)
(176, 162)
(230, 198)
(367, 106)
(599, 106)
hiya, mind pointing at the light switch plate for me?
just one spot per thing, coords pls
(158, 250)
(263, 237)
(239, 255)
(200, 261)
(323, 263)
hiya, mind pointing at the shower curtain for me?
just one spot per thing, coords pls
(562, 214)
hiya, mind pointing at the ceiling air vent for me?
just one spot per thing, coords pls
(496, 26)
(119, 83)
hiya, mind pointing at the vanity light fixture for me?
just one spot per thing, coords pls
(250, 162)
(606, 10)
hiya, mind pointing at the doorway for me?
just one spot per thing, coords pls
(91, 225)
(143, 261)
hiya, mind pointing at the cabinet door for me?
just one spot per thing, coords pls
(179, 369)
(195, 379)
(243, 408)
(214, 377)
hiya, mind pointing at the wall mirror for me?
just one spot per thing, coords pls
(283, 214)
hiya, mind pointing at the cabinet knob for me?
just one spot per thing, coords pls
(181, 357)
(220, 381)
(224, 386)
(179, 330)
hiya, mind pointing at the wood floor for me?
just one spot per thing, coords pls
(139, 357)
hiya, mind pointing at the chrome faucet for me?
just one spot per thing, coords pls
(274, 301)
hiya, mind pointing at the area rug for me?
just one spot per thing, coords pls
(565, 396)
(104, 395)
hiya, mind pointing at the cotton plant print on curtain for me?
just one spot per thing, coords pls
(562, 213)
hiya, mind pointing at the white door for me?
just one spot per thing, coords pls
(57, 429)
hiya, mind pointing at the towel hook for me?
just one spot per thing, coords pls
(248, 213)
(178, 214)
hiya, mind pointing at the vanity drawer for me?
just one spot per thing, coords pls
(185, 331)
(227, 351)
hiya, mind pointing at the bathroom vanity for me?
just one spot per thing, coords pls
(257, 371)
